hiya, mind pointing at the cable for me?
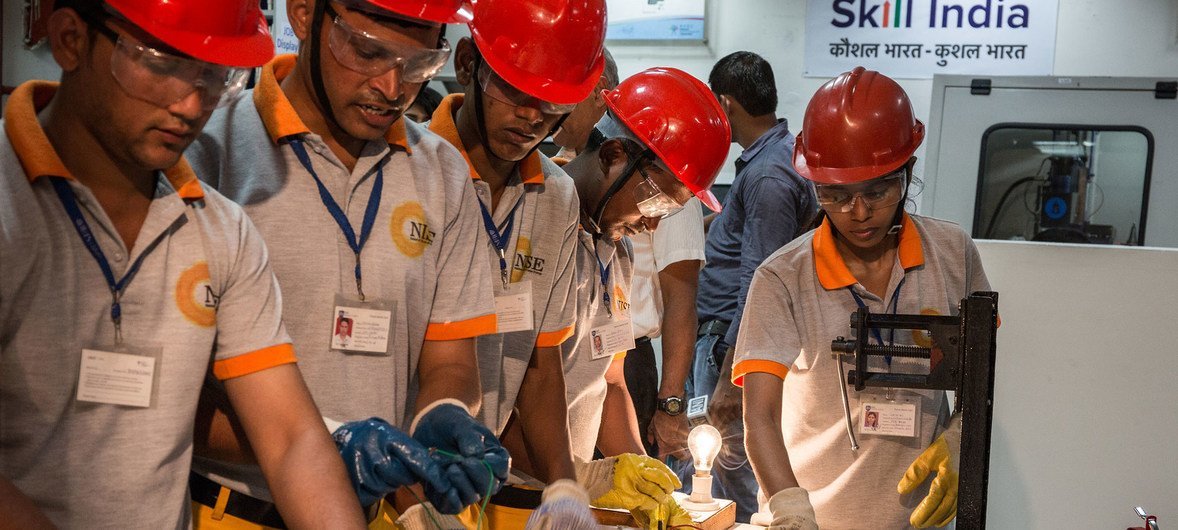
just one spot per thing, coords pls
(486, 498)
(428, 512)
(1001, 202)
(1099, 206)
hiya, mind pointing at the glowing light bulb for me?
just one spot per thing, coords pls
(704, 443)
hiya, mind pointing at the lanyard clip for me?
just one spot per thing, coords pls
(359, 281)
(116, 315)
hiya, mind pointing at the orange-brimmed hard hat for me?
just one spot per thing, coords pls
(679, 119)
(440, 11)
(550, 49)
(858, 126)
(224, 32)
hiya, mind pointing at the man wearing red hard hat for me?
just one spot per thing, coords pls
(370, 217)
(126, 281)
(856, 147)
(662, 142)
(523, 75)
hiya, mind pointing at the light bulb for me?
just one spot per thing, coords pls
(704, 444)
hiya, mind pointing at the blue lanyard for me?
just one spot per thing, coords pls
(604, 270)
(500, 239)
(337, 213)
(875, 331)
(70, 201)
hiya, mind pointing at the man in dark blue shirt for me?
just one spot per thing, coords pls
(768, 205)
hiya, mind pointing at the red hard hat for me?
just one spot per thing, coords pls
(224, 32)
(858, 126)
(440, 11)
(550, 49)
(678, 118)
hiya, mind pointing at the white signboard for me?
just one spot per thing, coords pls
(919, 38)
(655, 20)
(284, 37)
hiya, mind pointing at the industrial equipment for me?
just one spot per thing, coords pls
(961, 359)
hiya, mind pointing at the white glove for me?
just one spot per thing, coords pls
(423, 516)
(564, 506)
(792, 510)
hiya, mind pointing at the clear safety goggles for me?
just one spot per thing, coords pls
(875, 194)
(652, 202)
(163, 79)
(372, 56)
(502, 91)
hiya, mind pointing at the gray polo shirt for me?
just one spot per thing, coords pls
(204, 294)
(423, 255)
(768, 205)
(585, 376)
(541, 203)
(799, 301)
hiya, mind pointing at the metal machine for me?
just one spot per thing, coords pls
(961, 359)
(1064, 159)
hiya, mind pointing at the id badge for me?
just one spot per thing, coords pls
(513, 307)
(611, 336)
(361, 327)
(119, 376)
(889, 412)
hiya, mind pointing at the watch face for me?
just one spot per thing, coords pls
(672, 405)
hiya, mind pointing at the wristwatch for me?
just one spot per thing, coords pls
(672, 406)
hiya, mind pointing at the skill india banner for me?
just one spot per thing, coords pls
(920, 38)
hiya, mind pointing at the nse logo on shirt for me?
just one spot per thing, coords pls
(195, 297)
(411, 231)
(524, 260)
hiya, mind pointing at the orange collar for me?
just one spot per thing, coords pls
(832, 270)
(38, 157)
(279, 116)
(442, 123)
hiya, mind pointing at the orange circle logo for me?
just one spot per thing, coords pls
(523, 258)
(411, 233)
(195, 297)
(620, 297)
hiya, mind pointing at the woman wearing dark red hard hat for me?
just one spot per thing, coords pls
(856, 147)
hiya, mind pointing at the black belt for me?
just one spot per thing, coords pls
(640, 341)
(714, 327)
(240, 505)
(512, 496)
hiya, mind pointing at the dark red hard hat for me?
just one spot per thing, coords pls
(858, 126)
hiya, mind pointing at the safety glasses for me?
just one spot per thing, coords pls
(163, 79)
(875, 194)
(502, 91)
(652, 202)
(363, 53)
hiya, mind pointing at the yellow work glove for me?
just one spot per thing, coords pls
(626, 481)
(664, 513)
(940, 505)
(792, 510)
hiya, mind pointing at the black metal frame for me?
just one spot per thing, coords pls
(961, 359)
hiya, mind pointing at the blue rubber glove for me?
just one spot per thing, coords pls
(464, 449)
(381, 458)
